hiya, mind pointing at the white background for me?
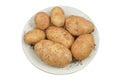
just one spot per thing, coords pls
(15, 66)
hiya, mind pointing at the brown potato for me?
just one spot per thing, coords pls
(34, 36)
(57, 16)
(52, 53)
(42, 20)
(82, 46)
(77, 25)
(60, 35)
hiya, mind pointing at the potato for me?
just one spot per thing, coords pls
(42, 20)
(77, 25)
(82, 46)
(59, 35)
(34, 36)
(52, 53)
(57, 16)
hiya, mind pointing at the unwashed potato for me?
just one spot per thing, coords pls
(42, 20)
(60, 35)
(82, 46)
(52, 53)
(77, 25)
(57, 16)
(34, 36)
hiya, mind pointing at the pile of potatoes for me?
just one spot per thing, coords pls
(57, 40)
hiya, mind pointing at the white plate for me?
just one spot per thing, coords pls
(72, 67)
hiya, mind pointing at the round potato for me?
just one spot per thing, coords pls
(60, 35)
(42, 20)
(34, 36)
(52, 53)
(82, 46)
(77, 25)
(57, 16)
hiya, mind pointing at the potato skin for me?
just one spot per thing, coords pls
(77, 25)
(34, 36)
(60, 35)
(82, 46)
(52, 53)
(57, 16)
(42, 20)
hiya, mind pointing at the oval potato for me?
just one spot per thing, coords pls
(57, 16)
(77, 25)
(60, 35)
(34, 36)
(52, 53)
(82, 46)
(42, 20)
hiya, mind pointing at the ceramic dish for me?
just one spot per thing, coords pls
(73, 66)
